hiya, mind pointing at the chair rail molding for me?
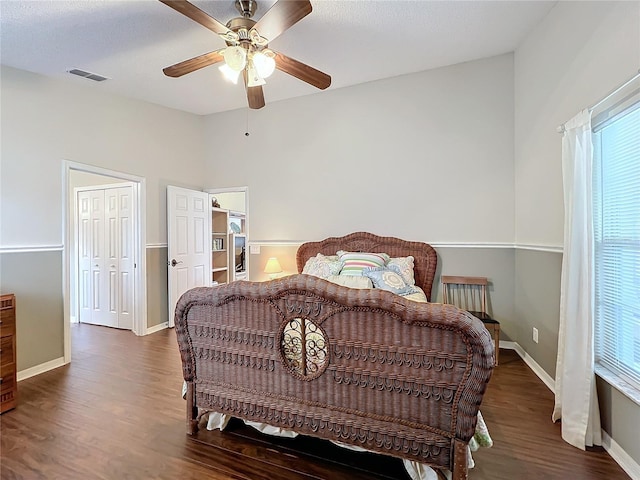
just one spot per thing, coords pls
(31, 248)
(498, 245)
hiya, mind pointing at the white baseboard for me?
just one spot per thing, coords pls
(507, 345)
(616, 452)
(58, 362)
(531, 363)
(157, 328)
(623, 459)
(38, 369)
(537, 369)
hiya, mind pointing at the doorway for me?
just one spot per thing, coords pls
(82, 175)
(189, 261)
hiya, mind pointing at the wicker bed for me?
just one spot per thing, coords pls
(376, 371)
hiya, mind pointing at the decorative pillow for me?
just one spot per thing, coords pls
(323, 266)
(388, 279)
(417, 295)
(405, 266)
(355, 262)
(351, 281)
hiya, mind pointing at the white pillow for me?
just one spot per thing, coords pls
(388, 279)
(405, 267)
(351, 281)
(322, 266)
(417, 296)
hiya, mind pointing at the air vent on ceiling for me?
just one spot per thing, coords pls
(91, 76)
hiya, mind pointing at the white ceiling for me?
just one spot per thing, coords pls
(354, 41)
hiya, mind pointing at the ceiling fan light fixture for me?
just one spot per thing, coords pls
(229, 73)
(253, 78)
(230, 36)
(264, 63)
(244, 38)
(235, 57)
(256, 38)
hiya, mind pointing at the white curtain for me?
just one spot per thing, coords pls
(576, 399)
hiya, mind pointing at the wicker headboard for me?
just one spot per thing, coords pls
(425, 257)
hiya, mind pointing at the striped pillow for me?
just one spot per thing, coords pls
(355, 262)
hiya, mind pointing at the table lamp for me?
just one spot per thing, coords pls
(272, 267)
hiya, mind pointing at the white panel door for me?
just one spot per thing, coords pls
(97, 258)
(126, 258)
(105, 257)
(109, 286)
(89, 207)
(189, 259)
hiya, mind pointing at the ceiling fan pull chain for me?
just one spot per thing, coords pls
(246, 132)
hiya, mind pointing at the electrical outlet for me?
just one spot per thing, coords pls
(254, 249)
(535, 334)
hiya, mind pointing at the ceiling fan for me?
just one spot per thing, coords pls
(247, 51)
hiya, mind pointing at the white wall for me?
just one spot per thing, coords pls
(576, 56)
(426, 156)
(579, 53)
(46, 121)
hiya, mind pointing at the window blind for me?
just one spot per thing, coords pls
(616, 222)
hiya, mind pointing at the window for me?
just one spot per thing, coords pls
(616, 211)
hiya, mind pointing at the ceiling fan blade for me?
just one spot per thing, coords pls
(193, 64)
(197, 15)
(255, 95)
(302, 71)
(281, 16)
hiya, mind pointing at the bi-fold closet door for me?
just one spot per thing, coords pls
(106, 256)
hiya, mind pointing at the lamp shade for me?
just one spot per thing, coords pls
(272, 266)
(235, 57)
(253, 78)
(265, 64)
(229, 73)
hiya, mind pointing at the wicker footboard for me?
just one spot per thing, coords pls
(367, 368)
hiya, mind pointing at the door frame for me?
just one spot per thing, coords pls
(244, 190)
(140, 229)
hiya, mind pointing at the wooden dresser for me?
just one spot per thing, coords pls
(8, 380)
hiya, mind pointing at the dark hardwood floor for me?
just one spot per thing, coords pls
(116, 413)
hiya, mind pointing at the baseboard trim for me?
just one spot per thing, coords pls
(623, 459)
(42, 368)
(531, 363)
(507, 345)
(157, 328)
